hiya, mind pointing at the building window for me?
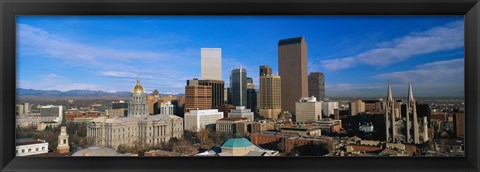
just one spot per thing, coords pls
(43, 148)
(29, 150)
(23, 150)
(36, 149)
(16, 151)
(64, 141)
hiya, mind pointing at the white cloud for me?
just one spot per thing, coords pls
(446, 37)
(37, 41)
(444, 78)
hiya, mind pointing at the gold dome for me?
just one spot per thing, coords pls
(138, 88)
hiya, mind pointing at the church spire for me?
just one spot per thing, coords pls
(410, 93)
(389, 93)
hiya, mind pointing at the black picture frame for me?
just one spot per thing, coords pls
(11, 8)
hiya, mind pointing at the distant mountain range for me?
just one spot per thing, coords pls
(75, 93)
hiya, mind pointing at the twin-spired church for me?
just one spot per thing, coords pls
(138, 128)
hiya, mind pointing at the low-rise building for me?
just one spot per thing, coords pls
(307, 109)
(28, 146)
(231, 125)
(195, 120)
(306, 131)
(241, 112)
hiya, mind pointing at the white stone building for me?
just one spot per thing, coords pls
(28, 146)
(328, 108)
(138, 128)
(195, 120)
(307, 109)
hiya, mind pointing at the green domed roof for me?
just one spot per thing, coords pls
(236, 143)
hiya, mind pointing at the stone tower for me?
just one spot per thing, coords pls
(63, 146)
(391, 131)
(412, 111)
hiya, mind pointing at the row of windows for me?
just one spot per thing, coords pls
(30, 150)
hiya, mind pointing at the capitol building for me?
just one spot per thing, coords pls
(138, 128)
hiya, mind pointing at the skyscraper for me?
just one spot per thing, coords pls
(217, 92)
(238, 85)
(251, 95)
(292, 67)
(211, 63)
(265, 70)
(316, 85)
(197, 96)
(270, 95)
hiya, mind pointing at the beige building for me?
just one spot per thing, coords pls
(138, 128)
(195, 120)
(130, 131)
(270, 94)
(308, 109)
(229, 125)
(356, 107)
(292, 67)
(261, 126)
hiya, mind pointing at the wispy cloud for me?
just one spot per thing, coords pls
(37, 41)
(432, 78)
(440, 71)
(55, 82)
(446, 37)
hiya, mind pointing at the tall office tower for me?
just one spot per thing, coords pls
(270, 94)
(229, 95)
(292, 67)
(197, 96)
(238, 85)
(218, 89)
(412, 110)
(265, 70)
(391, 131)
(308, 109)
(250, 83)
(316, 85)
(252, 100)
(137, 105)
(211, 63)
(251, 95)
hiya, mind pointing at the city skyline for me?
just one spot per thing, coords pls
(358, 55)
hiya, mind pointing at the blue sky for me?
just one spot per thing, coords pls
(358, 54)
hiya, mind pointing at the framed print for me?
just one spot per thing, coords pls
(239, 85)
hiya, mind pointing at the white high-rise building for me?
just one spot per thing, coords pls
(195, 120)
(308, 109)
(211, 63)
(329, 107)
